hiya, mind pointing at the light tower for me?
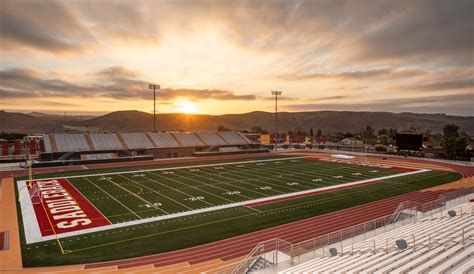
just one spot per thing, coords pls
(154, 88)
(276, 93)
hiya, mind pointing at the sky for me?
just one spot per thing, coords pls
(218, 57)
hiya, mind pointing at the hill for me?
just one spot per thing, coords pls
(327, 121)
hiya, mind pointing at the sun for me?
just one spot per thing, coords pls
(188, 107)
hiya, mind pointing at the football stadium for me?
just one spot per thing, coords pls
(236, 136)
(250, 210)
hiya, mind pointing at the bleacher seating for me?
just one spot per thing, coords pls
(71, 142)
(163, 140)
(136, 140)
(438, 245)
(211, 138)
(47, 144)
(188, 139)
(234, 138)
(52, 143)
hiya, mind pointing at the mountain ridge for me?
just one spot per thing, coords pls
(327, 121)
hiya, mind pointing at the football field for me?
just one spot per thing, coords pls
(76, 205)
(95, 215)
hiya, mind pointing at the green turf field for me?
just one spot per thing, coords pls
(136, 195)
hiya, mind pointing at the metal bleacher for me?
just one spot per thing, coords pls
(124, 141)
(136, 140)
(437, 244)
(234, 138)
(163, 140)
(105, 142)
(71, 142)
(188, 139)
(212, 139)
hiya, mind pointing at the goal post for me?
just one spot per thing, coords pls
(30, 194)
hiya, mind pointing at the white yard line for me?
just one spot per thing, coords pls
(196, 188)
(156, 192)
(203, 210)
(113, 197)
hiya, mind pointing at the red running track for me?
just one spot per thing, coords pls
(294, 232)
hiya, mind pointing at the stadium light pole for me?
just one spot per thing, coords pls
(276, 93)
(154, 88)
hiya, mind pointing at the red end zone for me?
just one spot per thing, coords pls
(64, 208)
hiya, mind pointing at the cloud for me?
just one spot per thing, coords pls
(441, 85)
(379, 74)
(116, 82)
(421, 30)
(50, 27)
(459, 104)
(372, 31)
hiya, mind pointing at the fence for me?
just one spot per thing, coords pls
(269, 250)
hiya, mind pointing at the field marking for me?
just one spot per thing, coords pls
(206, 173)
(235, 172)
(203, 210)
(194, 187)
(254, 209)
(155, 191)
(180, 229)
(133, 193)
(244, 181)
(211, 185)
(108, 194)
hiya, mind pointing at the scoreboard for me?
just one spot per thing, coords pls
(409, 141)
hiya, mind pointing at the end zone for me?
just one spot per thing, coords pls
(62, 208)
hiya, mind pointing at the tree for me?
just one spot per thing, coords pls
(453, 145)
(222, 128)
(257, 129)
(311, 133)
(450, 131)
(298, 131)
(368, 132)
(319, 133)
(383, 132)
(383, 139)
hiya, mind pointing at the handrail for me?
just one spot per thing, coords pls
(250, 255)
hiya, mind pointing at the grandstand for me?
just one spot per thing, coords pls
(144, 145)
(440, 243)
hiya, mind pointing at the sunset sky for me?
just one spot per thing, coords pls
(217, 57)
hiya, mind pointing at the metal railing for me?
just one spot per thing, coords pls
(360, 231)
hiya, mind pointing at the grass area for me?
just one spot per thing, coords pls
(177, 233)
